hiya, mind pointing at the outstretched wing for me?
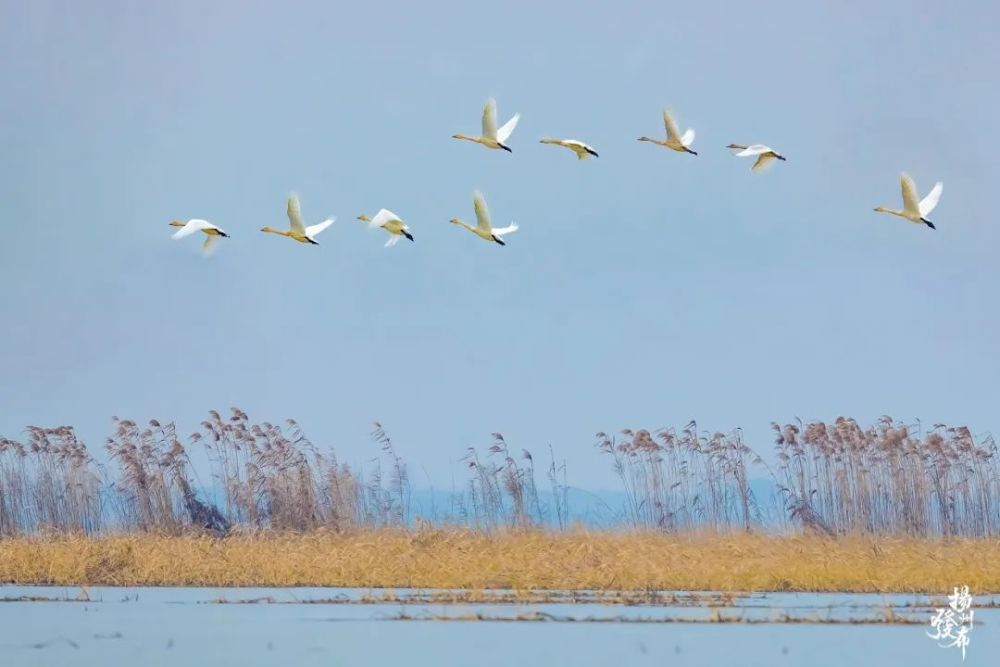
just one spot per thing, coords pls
(208, 247)
(482, 213)
(382, 218)
(671, 125)
(313, 230)
(500, 231)
(295, 214)
(910, 203)
(504, 132)
(687, 138)
(393, 240)
(191, 227)
(928, 203)
(490, 119)
(762, 162)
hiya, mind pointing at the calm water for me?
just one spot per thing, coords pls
(184, 626)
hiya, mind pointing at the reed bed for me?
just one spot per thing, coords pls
(830, 479)
(512, 559)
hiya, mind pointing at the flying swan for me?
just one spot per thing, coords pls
(483, 228)
(582, 150)
(391, 223)
(675, 140)
(492, 137)
(765, 155)
(212, 233)
(297, 231)
(913, 210)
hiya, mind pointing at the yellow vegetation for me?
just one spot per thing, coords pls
(520, 560)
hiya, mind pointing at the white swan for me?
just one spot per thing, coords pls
(297, 231)
(675, 140)
(492, 137)
(913, 210)
(582, 150)
(765, 154)
(212, 233)
(391, 223)
(483, 228)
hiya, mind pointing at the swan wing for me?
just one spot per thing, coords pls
(509, 229)
(756, 149)
(208, 247)
(191, 227)
(393, 240)
(671, 125)
(508, 128)
(762, 162)
(382, 218)
(490, 119)
(482, 212)
(928, 203)
(910, 203)
(313, 230)
(687, 138)
(295, 214)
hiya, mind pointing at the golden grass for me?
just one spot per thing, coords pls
(520, 560)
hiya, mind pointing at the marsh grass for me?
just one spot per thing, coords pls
(889, 478)
(832, 479)
(571, 560)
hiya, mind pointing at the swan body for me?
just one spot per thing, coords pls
(582, 150)
(675, 140)
(297, 231)
(484, 229)
(914, 210)
(493, 137)
(765, 154)
(212, 233)
(391, 223)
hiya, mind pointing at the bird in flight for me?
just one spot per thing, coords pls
(297, 231)
(582, 150)
(484, 229)
(675, 140)
(493, 137)
(212, 232)
(914, 210)
(765, 155)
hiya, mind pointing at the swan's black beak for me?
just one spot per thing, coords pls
(781, 157)
(408, 235)
(506, 148)
(928, 223)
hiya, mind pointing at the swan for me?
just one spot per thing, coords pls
(582, 150)
(391, 223)
(765, 154)
(675, 140)
(483, 228)
(212, 233)
(492, 137)
(297, 231)
(913, 210)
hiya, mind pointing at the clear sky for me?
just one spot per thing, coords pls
(644, 288)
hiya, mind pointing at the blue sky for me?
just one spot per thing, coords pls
(644, 288)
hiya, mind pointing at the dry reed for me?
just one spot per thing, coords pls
(517, 559)
(833, 479)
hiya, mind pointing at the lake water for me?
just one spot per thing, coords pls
(209, 626)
